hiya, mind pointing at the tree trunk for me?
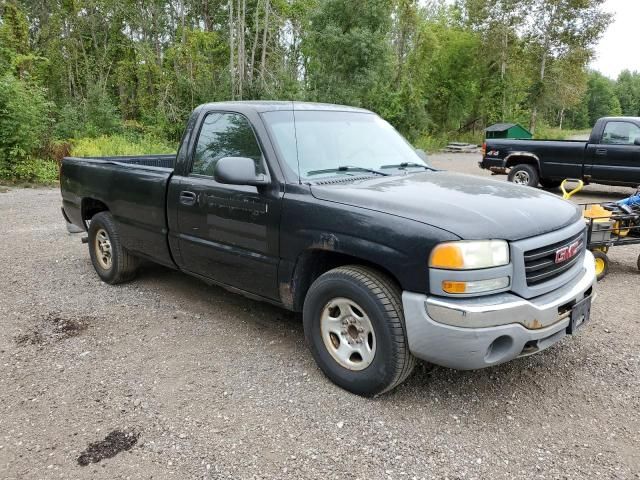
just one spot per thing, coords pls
(254, 45)
(242, 11)
(503, 72)
(232, 68)
(534, 110)
(263, 57)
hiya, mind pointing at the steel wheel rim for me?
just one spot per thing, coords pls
(347, 333)
(102, 249)
(521, 178)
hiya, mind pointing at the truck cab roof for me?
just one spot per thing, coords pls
(271, 105)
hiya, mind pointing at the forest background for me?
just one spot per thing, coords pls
(109, 77)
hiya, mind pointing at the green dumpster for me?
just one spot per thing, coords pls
(507, 130)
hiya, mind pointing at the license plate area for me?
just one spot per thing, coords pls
(580, 314)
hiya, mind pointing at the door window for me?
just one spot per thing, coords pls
(225, 135)
(620, 133)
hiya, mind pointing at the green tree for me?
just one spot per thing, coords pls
(347, 52)
(601, 98)
(554, 29)
(628, 92)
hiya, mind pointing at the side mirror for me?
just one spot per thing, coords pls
(238, 171)
(422, 154)
(636, 141)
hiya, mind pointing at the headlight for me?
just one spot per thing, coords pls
(470, 255)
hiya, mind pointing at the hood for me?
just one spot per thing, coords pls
(468, 206)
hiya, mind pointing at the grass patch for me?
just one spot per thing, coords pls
(115, 145)
(432, 144)
(548, 133)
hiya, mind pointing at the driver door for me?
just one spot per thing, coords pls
(616, 159)
(228, 233)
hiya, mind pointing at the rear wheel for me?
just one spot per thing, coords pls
(524, 174)
(602, 264)
(546, 183)
(354, 324)
(112, 262)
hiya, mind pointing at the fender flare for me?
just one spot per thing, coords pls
(529, 155)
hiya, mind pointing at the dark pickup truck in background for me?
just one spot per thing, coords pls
(327, 210)
(610, 157)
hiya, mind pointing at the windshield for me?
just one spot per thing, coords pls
(333, 143)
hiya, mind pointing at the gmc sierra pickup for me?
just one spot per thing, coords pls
(610, 157)
(327, 210)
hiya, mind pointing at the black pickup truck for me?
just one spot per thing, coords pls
(610, 157)
(328, 211)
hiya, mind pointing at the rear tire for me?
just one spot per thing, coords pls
(524, 174)
(112, 262)
(546, 183)
(355, 309)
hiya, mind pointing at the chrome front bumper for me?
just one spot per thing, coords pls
(474, 333)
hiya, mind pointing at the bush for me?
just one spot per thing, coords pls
(35, 170)
(24, 121)
(94, 116)
(120, 145)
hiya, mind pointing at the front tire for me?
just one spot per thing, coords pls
(524, 174)
(112, 262)
(354, 324)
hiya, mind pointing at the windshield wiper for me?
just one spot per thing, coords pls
(409, 164)
(347, 168)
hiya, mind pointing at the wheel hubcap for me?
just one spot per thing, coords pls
(348, 334)
(103, 249)
(521, 178)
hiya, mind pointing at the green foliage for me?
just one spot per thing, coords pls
(114, 145)
(601, 99)
(33, 170)
(24, 120)
(628, 92)
(122, 77)
(347, 50)
(545, 132)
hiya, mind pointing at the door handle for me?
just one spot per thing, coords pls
(601, 151)
(188, 198)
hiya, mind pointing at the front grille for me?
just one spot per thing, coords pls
(540, 264)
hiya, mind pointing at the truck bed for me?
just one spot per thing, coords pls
(134, 188)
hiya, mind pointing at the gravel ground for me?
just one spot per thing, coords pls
(189, 381)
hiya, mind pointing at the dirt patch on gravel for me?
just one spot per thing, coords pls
(114, 443)
(53, 328)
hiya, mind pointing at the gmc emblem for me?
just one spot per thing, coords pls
(567, 253)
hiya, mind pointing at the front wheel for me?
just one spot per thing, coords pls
(354, 324)
(524, 174)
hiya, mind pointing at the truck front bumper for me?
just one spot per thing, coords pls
(473, 333)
